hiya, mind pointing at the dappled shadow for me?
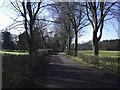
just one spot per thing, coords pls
(58, 74)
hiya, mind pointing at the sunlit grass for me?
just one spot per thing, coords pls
(106, 65)
(13, 53)
(112, 54)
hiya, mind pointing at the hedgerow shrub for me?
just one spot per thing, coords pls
(15, 68)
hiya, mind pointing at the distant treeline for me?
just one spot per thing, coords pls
(103, 45)
(41, 42)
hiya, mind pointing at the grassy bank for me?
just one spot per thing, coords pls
(107, 60)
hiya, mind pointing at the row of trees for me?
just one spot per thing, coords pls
(69, 20)
(72, 17)
(103, 45)
(110, 45)
(7, 42)
(41, 41)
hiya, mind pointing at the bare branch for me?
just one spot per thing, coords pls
(88, 15)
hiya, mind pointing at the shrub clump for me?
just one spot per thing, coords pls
(15, 68)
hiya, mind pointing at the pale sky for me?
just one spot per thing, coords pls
(109, 31)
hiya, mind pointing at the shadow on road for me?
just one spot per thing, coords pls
(58, 73)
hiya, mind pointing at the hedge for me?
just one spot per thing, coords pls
(15, 68)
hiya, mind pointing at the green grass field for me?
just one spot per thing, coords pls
(112, 54)
(14, 53)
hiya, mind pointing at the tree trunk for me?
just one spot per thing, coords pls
(32, 52)
(68, 44)
(31, 63)
(69, 41)
(31, 55)
(95, 47)
(76, 43)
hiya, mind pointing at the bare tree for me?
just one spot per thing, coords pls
(63, 29)
(72, 18)
(29, 11)
(40, 31)
(64, 23)
(97, 13)
(78, 19)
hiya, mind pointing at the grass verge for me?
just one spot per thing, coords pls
(13, 53)
(102, 65)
